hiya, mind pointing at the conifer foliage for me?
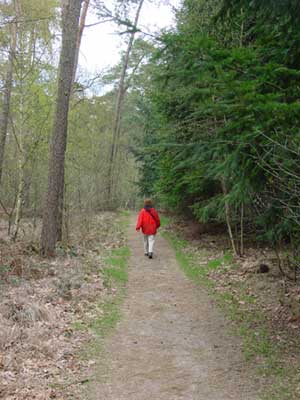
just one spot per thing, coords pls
(224, 122)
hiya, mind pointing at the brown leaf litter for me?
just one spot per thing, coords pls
(41, 302)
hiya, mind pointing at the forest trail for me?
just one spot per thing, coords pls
(171, 343)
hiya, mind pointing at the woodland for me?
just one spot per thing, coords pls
(203, 117)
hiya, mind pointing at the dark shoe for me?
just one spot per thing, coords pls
(150, 255)
(146, 254)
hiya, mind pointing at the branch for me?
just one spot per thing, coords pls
(99, 22)
(25, 21)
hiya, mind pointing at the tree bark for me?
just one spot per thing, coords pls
(4, 116)
(118, 111)
(51, 221)
(20, 199)
(79, 37)
(19, 132)
(228, 218)
(83, 15)
(242, 231)
(19, 136)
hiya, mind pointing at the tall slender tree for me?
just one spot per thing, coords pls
(4, 114)
(51, 221)
(119, 104)
(82, 20)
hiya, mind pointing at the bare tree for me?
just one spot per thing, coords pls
(228, 216)
(51, 218)
(83, 15)
(119, 104)
(4, 114)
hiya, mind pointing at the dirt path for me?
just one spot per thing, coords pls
(171, 343)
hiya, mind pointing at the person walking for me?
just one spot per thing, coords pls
(148, 221)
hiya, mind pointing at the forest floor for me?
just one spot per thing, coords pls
(98, 323)
(52, 311)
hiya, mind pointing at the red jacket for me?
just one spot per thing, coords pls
(149, 221)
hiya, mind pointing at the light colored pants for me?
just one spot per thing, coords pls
(149, 243)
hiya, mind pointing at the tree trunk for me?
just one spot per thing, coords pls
(83, 15)
(118, 112)
(242, 231)
(228, 218)
(20, 200)
(51, 221)
(20, 127)
(19, 136)
(4, 116)
(79, 37)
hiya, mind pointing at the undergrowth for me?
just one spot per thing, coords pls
(54, 313)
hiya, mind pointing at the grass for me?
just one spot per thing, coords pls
(123, 219)
(124, 213)
(249, 322)
(116, 270)
(164, 220)
(115, 277)
(107, 312)
(108, 319)
(187, 263)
